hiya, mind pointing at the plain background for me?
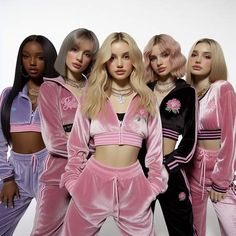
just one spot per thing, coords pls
(186, 21)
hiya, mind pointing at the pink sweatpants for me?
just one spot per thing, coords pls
(102, 191)
(225, 210)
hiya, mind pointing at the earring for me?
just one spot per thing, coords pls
(23, 73)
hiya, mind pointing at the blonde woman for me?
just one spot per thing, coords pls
(213, 169)
(117, 113)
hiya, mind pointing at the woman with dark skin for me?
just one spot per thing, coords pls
(20, 130)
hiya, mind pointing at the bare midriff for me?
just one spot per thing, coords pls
(27, 142)
(117, 155)
(209, 144)
(168, 145)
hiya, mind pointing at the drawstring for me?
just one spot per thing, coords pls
(116, 202)
(203, 169)
(34, 162)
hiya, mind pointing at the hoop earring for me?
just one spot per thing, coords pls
(22, 72)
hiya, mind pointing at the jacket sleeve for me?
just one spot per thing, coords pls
(223, 172)
(52, 129)
(78, 150)
(6, 170)
(183, 154)
(157, 174)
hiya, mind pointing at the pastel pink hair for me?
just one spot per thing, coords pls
(166, 44)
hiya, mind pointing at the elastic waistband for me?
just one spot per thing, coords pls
(110, 172)
(200, 150)
(209, 134)
(40, 154)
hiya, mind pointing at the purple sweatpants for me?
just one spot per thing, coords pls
(102, 191)
(27, 168)
(200, 183)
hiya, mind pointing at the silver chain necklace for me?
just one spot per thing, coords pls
(120, 94)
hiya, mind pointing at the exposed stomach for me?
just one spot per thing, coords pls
(168, 146)
(209, 144)
(27, 142)
(117, 155)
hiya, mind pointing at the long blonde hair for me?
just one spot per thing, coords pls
(99, 82)
(218, 68)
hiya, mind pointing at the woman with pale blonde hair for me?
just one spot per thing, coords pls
(117, 112)
(165, 65)
(212, 173)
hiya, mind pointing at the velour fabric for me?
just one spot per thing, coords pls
(137, 125)
(101, 191)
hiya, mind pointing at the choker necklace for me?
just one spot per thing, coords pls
(166, 89)
(76, 84)
(120, 94)
(201, 92)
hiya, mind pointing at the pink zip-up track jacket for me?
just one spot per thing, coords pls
(217, 120)
(106, 129)
(57, 108)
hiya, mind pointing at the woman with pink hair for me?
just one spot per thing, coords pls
(165, 64)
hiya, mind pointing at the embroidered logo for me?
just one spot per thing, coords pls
(142, 114)
(182, 196)
(173, 105)
(68, 103)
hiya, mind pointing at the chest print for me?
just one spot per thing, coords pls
(142, 114)
(211, 105)
(173, 105)
(68, 103)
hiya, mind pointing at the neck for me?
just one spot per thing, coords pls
(34, 84)
(163, 81)
(201, 84)
(120, 85)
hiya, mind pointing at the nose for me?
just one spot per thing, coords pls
(198, 59)
(119, 62)
(79, 56)
(32, 61)
(159, 61)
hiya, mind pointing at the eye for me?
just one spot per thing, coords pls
(194, 54)
(112, 58)
(41, 58)
(24, 56)
(88, 55)
(126, 56)
(73, 49)
(208, 57)
(152, 58)
(165, 54)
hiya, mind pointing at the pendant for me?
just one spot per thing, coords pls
(121, 99)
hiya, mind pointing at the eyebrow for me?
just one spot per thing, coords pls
(201, 51)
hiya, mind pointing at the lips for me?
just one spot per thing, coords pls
(161, 69)
(196, 67)
(33, 71)
(120, 72)
(77, 66)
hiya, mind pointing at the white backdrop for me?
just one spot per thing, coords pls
(186, 21)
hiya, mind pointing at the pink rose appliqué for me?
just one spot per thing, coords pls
(173, 105)
(142, 114)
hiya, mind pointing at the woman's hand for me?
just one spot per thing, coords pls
(216, 196)
(8, 192)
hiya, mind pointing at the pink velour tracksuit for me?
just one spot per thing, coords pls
(57, 108)
(99, 191)
(215, 168)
